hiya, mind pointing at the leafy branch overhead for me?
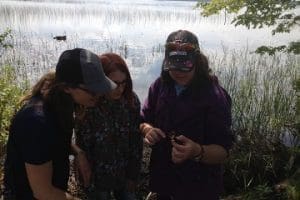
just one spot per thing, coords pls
(4, 43)
(257, 14)
(3, 36)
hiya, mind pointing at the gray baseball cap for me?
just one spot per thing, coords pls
(81, 66)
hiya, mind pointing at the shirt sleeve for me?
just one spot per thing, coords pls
(219, 121)
(147, 112)
(34, 140)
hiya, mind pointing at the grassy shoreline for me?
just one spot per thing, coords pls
(264, 109)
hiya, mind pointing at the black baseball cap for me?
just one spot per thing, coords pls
(180, 50)
(81, 66)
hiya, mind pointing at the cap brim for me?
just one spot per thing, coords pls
(106, 85)
(177, 66)
(179, 60)
(173, 65)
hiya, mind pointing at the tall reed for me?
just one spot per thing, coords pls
(264, 117)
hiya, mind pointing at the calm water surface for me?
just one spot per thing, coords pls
(135, 29)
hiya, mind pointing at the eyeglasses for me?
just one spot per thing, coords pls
(176, 46)
(120, 83)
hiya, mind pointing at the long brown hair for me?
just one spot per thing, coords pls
(36, 89)
(56, 101)
(112, 62)
(61, 105)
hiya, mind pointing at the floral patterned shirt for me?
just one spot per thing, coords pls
(109, 134)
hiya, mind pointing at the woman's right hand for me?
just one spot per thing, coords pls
(151, 134)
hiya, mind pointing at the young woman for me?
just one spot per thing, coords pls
(187, 120)
(110, 137)
(39, 143)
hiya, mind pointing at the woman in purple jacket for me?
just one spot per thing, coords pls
(187, 122)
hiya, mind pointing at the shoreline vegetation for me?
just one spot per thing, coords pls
(265, 161)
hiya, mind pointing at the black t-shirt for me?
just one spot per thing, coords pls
(35, 138)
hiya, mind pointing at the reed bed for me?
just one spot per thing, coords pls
(100, 13)
(261, 89)
(266, 150)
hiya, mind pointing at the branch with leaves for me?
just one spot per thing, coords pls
(3, 39)
(257, 14)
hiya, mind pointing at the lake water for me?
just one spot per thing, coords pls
(135, 29)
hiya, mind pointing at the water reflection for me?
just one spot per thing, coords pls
(135, 29)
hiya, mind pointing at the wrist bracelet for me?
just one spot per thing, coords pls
(199, 157)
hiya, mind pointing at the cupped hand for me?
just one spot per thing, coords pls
(187, 149)
(152, 135)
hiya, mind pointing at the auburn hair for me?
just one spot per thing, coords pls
(112, 62)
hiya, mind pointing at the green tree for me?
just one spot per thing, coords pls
(10, 92)
(4, 44)
(257, 14)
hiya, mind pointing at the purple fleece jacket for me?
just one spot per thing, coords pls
(203, 116)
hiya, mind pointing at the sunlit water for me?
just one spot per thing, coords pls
(135, 29)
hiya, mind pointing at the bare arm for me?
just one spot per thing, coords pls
(83, 164)
(40, 180)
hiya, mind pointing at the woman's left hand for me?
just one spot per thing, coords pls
(183, 149)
